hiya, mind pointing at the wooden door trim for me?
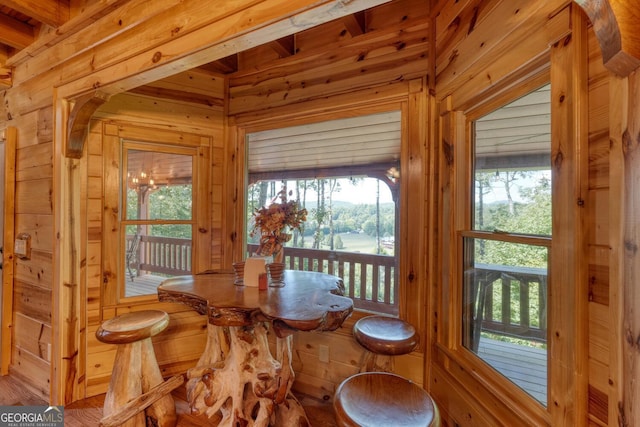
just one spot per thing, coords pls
(10, 138)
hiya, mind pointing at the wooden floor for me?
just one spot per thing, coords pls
(88, 412)
(525, 366)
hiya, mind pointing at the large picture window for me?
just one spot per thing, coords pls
(506, 250)
(345, 172)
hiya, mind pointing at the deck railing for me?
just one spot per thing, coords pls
(508, 301)
(161, 255)
(518, 309)
(370, 280)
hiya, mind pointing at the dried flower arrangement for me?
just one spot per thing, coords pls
(273, 222)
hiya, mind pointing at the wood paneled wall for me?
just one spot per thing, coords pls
(411, 57)
(602, 348)
(32, 316)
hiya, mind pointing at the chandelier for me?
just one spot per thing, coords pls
(141, 182)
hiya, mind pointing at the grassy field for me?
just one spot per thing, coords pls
(355, 242)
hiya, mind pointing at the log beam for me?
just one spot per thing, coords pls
(51, 12)
(6, 73)
(15, 33)
(615, 23)
(213, 40)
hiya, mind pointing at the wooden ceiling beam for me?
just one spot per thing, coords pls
(50, 12)
(355, 23)
(226, 65)
(615, 24)
(284, 47)
(177, 95)
(216, 36)
(15, 33)
(6, 73)
(6, 78)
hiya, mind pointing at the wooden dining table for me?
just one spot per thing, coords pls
(237, 378)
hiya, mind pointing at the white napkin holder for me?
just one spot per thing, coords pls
(253, 267)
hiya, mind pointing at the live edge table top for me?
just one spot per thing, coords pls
(309, 301)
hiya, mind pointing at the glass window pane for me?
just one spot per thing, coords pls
(512, 181)
(157, 215)
(505, 284)
(345, 214)
(349, 231)
(154, 252)
(158, 186)
(505, 310)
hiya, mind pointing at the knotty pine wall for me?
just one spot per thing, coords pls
(32, 316)
(602, 326)
(413, 55)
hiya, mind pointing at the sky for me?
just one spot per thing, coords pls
(499, 194)
(363, 192)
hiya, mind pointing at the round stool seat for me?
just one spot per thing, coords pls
(131, 327)
(385, 335)
(383, 399)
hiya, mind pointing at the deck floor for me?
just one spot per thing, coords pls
(524, 366)
(143, 285)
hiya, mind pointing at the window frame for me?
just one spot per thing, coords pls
(373, 170)
(466, 229)
(568, 337)
(156, 147)
(415, 102)
(457, 131)
(113, 275)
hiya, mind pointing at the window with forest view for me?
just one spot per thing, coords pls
(345, 172)
(506, 250)
(158, 215)
(350, 231)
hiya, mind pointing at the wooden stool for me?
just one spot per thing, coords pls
(383, 399)
(384, 337)
(137, 390)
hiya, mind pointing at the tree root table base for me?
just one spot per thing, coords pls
(239, 379)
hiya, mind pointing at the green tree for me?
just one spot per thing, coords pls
(531, 216)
